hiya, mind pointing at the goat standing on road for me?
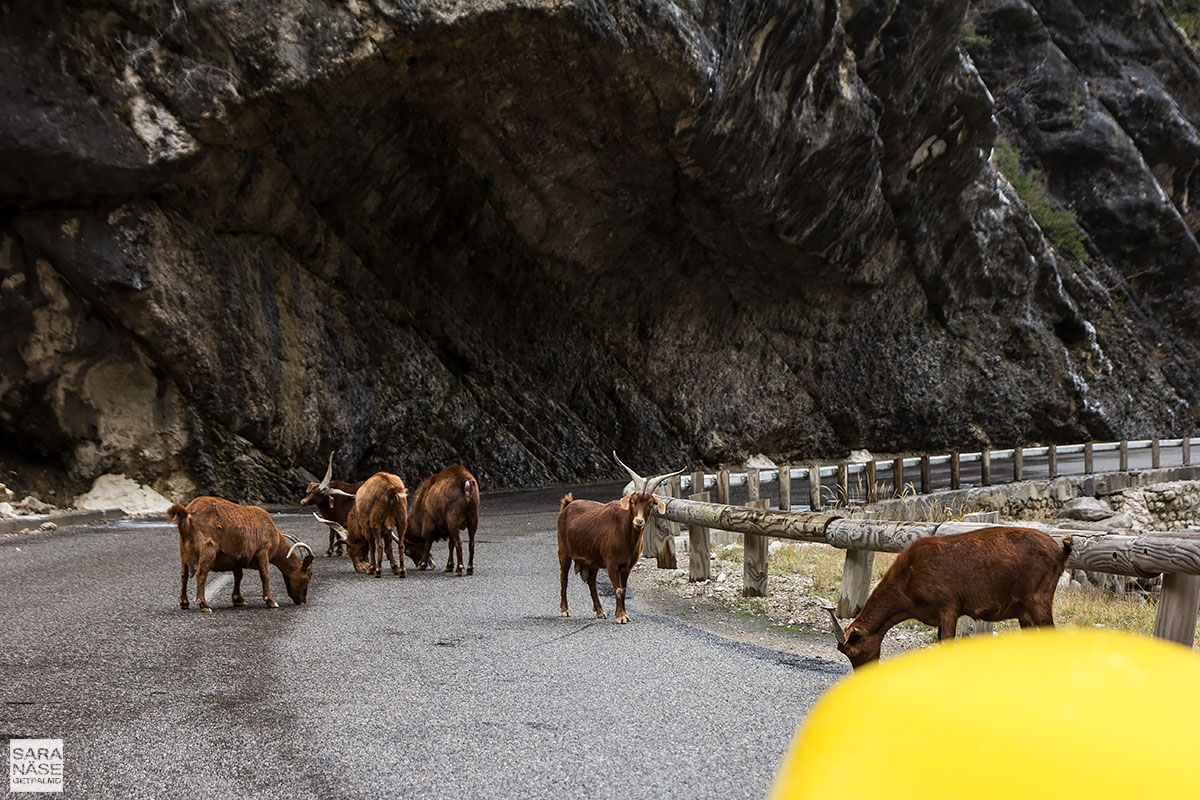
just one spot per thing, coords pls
(444, 504)
(990, 574)
(593, 535)
(380, 514)
(215, 534)
(333, 500)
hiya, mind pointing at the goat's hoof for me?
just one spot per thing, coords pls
(239, 601)
(600, 614)
(183, 603)
(458, 573)
(470, 570)
(206, 609)
(564, 613)
(395, 570)
(328, 553)
(403, 573)
(621, 620)
(271, 603)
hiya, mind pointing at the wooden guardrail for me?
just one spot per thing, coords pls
(868, 480)
(1175, 555)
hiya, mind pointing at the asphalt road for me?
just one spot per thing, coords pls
(426, 687)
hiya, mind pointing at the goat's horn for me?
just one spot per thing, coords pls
(637, 479)
(289, 537)
(298, 545)
(652, 483)
(328, 473)
(337, 529)
(838, 632)
(338, 493)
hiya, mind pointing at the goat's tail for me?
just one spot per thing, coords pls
(177, 514)
(397, 498)
(567, 499)
(471, 490)
(1068, 543)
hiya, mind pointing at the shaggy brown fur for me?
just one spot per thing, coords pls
(379, 505)
(990, 574)
(215, 534)
(444, 504)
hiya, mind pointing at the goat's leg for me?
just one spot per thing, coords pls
(471, 563)
(616, 576)
(238, 600)
(264, 564)
(564, 568)
(183, 598)
(450, 552)
(947, 624)
(377, 551)
(426, 556)
(592, 574)
(202, 567)
(456, 547)
(332, 543)
(387, 548)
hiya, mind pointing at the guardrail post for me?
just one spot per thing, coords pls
(985, 466)
(926, 481)
(955, 482)
(1018, 463)
(872, 490)
(697, 481)
(785, 487)
(856, 579)
(898, 476)
(1154, 453)
(815, 501)
(843, 483)
(723, 487)
(1087, 459)
(664, 548)
(1187, 449)
(1123, 456)
(754, 560)
(1052, 461)
(699, 563)
(753, 484)
(1177, 608)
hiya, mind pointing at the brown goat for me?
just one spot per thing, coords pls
(215, 534)
(379, 505)
(445, 503)
(333, 501)
(592, 535)
(990, 574)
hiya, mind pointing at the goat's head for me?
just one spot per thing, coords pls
(855, 643)
(641, 501)
(316, 492)
(300, 575)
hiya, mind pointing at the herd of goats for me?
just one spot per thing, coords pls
(992, 574)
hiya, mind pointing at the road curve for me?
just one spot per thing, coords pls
(426, 687)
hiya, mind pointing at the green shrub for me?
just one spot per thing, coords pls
(1056, 220)
(972, 40)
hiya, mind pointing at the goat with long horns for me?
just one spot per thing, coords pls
(592, 535)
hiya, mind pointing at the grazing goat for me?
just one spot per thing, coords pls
(380, 505)
(215, 534)
(444, 504)
(593, 535)
(990, 574)
(333, 500)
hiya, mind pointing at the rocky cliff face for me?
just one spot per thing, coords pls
(235, 236)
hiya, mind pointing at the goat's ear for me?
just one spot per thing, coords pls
(661, 504)
(307, 562)
(626, 501)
